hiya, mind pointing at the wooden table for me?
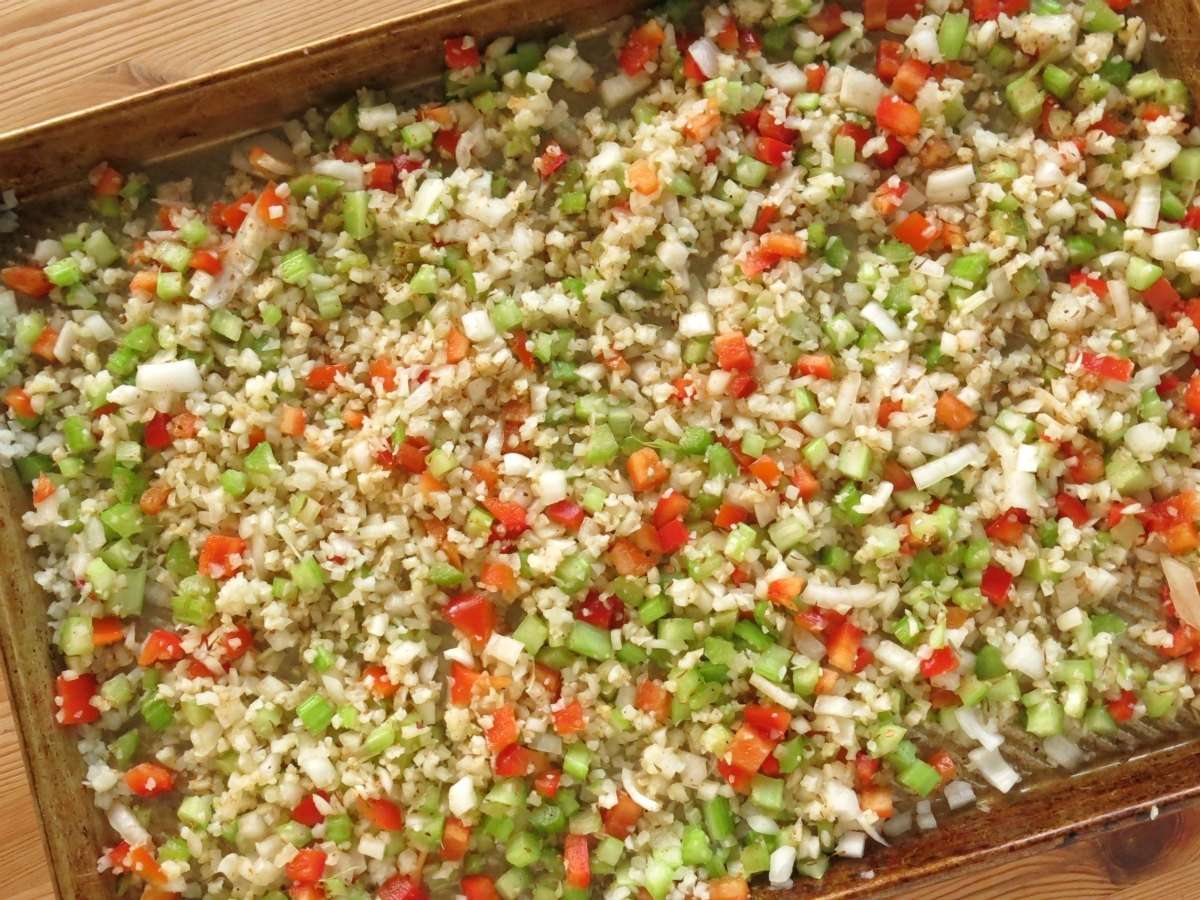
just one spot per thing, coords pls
(58, 57)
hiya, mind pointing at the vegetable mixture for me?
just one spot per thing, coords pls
(627, 477)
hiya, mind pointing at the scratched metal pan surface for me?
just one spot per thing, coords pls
(1156, 767)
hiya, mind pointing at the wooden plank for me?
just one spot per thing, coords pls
(59, 56)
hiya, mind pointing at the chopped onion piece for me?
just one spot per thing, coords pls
(1027, 656)
(831, 705)
(959, 794)
(1184, 594)
(882, 319)
(973, 727)
(993, 767)
(896, 657)
(925, 819)
(774, 692)
(852, 845)
(349, 173)
(127, 826)
(944, 467)
(857, 595)
(179, 375)
(635, 793)
(1062, 752)
(783, 861)
(461, 796)
(705, 55)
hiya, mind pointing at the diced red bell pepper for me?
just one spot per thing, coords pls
(547, 783)
(409, 887)
(898, 116)
(995, 583)
(620, 819)
(551, 160)
(784, 591)
(653, 698)
(842, 646)
(221, 555)
(321, 377)
(859, 133)
(827, 22)
(749, 749)
(74, 699)
(866, 767)
(1008, 527)
(510, 517)
(939, 662)
(474, 615)
(875, 15)
(672, 505)
(943, 762)
(985, 10)
(888, 56)
(1071, 507)
(156, 435)
(519, 762)
(641, 47)
(673, 536)
(307, 866)
(1164, 300)
(576, 861)
(479, 887)
(768, 719)
(771, 151)
(1114, 368)
(462, 683)
(28, 280)
(149, 779)
(461, 52)
(503, 731)
(306, 812)
(1121, 708)
(916, 231)
(382, 813)
(730, 514)
(161, 645)
(567, 513)
(911, 77)
(733, 353)
(569, 720)
(818, 365)
(456, 840)
(1093, 283)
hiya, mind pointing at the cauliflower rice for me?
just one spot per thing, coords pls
(647, 470)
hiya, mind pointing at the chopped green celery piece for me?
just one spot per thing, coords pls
(816, 452)
(1025, 98)
(576, 761)
(226, 324)
(588, 640)
(233, 482)
(307, 574)
(195, 810)
(750, 172)
(379, 740)
(174, 256)
(1126, 474)
(841, 331)
(1044, 718)
(63, 272)
(523, 849)
(445, 575)
(755, 858)
(752, 634)
(855, 460)
(1141, 274)
(315, 712)
(294, 833)
(1186, 166)
(920, 778)
(100, 247)
(740, 541)
(532, 632)
(548, 819)
(1073, 670)
(952, 34)
(574, 573)
(1058, 81)
(772, 663)
(356, 218)
(1005, 689)
(602, 447)
(339, 829)
(906, 629)
(720, 461)
(123, 519)
(1098, 16)
(75, 634)
(695, 441)
(195, 602)
(169, 286)
(718, 818)
(261, 466)
(157, 713)
(1116, 70)
(1108, 623)
(787, 533)
(78, 435)
(969, 267)
(767, 793)
(989, 663)
(791, 754)
(1098, 720)
(845, 501)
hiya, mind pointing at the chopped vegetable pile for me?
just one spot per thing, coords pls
(645, 471)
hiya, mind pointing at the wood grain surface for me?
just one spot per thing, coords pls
(60, 56)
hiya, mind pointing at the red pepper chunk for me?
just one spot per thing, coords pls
(382, 813)
(221, 555)
(473, 615)
(161, 646)
(1121, 708)
(409, 887)
(567, 513)
(888, 56)
(576, 861)
(552, 159)
(939, 662)
(1071, 507)
(843, 645)
(641, 47)
(828, 21)
(767, 719)
(1114, 368)
(479, 887)
(503, 731)
(995, 583)
(673, 536)
(462, 683)
(916, 231)
(733, 353)
(749, 750)
(149, 779)
(1008, 527)
(306, 811)
(510, 517)
(569, 720)
(620, 819)
(771, 151)
(156, 435)
(461, 52)
(74, 699)
(28, 280)
(898, 116)
(672, 505)
(307, 866)
(519, 762)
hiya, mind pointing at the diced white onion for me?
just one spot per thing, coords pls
(788, 77)
(502, 647)
(842, 800)
(314, 761)
(67, 338)
(1071, 619)
(857, 595)
(705, 55)
(1184, 595)
(548, 742)
(774, 692)
(636, 795)
(477, 326)
(761, 823)
(843, 407)
(852, 845)
(900, 823)
(959, 794)
(951, 464)
(1062, 752)
(461, 796)
(1027, 657)
(892, 655)
(882, 319)
(1158, 150)
(516, 464)
(126, 825)
(696, 323)
(1147, 200)
(973, 727)
(179, 375)
(552, 485)
(833, 705)
(621, 88)
(1169, 244)
(995, 770)
(783, 861)
(925, 819)
(377, 118)
(860, 90)
(349, 173)
(951, 185)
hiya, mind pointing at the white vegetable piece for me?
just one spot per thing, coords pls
(179, 376)
(477, 326)
(461, 796)
(783, 861)
(951, 464)
(1026, 656)
(852, 845)
(1184, 594)
(507, 650)
(959, 794)
(995, 770)
(861, 91)
(951, 185)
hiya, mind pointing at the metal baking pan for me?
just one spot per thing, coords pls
(178, 120)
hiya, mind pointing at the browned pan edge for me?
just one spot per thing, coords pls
(198, 112)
